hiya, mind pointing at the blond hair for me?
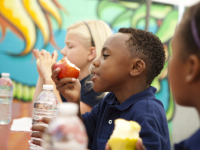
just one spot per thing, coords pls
(99, 29)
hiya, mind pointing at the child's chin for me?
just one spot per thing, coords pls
(98, 90)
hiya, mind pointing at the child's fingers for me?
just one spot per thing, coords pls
(36, 134)
(69, 81)
(107, 147)
(139, 145)
(46, 54)
(43, 51)
(36, 142)
(52, 67)
(46, 120)
(54, 75)
(40, 55)
(35, 53)
(65, 88)
(55, 55)
(38, 128)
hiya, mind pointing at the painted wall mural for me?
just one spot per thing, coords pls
(42, 24)
(26, 24)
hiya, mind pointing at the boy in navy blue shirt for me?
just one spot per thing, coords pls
(129, 62)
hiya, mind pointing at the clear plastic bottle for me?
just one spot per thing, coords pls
(66, 132)
(46, 105)
(6, 98)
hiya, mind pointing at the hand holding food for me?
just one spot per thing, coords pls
(125, 135)
(67, 69)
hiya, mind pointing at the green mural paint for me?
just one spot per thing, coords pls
(32, 91)
(160, 11)
(109, 11)
(166, 30)
(170, 111)
(139, 14)
(19, 89)
(26, 93)
(170, 129)
(131, 5)
(123, 19)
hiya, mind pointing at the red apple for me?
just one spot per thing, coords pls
(67, 69)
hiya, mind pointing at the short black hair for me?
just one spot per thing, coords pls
(149, 48)
(185, 36)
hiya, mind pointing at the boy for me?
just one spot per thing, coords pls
(129, 62)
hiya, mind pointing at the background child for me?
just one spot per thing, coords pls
(184, 69)
(129, 62)
(185, 81)
(84, 41)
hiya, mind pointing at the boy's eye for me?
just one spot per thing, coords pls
(104, 56)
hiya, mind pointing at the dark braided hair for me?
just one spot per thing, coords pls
(149, 48)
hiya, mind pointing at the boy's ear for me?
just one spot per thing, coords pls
(138, 66)
(92, 54)
(193, 69)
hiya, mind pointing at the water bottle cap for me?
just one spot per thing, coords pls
(5, 74)
(47, 87)
(68, 109)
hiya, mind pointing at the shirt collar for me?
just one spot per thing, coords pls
(193, 141)
(148, 93)
(85, 79)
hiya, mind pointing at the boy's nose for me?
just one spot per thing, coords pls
(96, 63)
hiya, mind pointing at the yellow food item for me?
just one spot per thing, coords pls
(125, 135)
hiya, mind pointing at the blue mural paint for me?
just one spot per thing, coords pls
(11, 43)
(23, 69)
(163, 94)
(152, 25)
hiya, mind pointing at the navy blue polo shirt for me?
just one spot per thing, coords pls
(193, 143)
(142, 107)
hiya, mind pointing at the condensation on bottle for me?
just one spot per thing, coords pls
(6, 98)
(67, 131)
(46, 105)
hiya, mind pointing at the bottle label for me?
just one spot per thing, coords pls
(66, 134)
(6, 87)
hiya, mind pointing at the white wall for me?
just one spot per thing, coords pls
(184, 124)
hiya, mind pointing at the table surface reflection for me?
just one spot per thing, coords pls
(17, 140)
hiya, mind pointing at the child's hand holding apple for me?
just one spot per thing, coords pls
(65, 75)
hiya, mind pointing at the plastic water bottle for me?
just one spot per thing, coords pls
(6, 98)
(46, 105)
(66, 132)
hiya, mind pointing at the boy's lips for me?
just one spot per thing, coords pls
(95, 76)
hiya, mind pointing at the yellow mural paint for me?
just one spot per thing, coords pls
(14, 12)
(50, 7)
(37, 15)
